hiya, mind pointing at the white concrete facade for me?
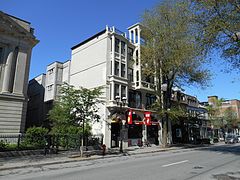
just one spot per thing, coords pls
(57, 73)
(16, 43)
(112, 60)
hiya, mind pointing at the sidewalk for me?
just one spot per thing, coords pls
(68, 157)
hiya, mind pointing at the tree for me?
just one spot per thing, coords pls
(75, 110)
(219, 27)
(171, 53)
(229, 115)
(215, 113)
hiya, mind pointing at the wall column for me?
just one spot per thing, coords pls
(139, 39)
(113, 54)
(7, 71)
(21, 67)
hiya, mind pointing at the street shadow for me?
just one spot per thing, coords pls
(223, 148)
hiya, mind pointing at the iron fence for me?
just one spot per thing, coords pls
(53, 142)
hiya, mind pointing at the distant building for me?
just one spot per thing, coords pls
(16, 42)
(36, 109)
(43, 90)
(232, 107)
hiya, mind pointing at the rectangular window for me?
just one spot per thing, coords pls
(1, 55)
(137, 57)
(111, 44)
(130, 74)
(116, 68)
(50, 71)
(116, 90)
(110, 91)
(138, 100)
(150, 98)
(117, 44)
(130, 53)
(123, 91)
(123, 70)
(123, 46)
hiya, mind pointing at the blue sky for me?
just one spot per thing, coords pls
(61, 24)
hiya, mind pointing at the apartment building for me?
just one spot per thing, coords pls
(43, 90)
(111, 59)
(194, 126)
(232, 107)
(16, 42)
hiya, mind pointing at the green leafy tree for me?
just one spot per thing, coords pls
(230, 117)
(74, 109)
(171, 52)
(215, 113)
(35, 137)
(219, 25)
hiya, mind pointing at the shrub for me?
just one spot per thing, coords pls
(35, 137)
(3, 145)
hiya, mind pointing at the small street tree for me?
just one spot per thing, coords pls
(75, 110)
(171, 52)
(215, 113)
(230, 117)
(219, 25)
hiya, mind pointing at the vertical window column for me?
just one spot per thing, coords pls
(116, 90)
(134, 36)
(7, 70)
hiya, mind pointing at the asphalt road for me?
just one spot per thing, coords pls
(218, 162)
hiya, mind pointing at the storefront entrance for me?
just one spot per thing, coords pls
(115, 134)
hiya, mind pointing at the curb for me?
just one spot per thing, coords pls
(100, 157)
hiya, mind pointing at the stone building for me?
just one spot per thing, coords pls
(16, 42)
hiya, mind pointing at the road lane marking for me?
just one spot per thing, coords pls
(180, 162)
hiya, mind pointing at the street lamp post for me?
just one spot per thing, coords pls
(122, 121)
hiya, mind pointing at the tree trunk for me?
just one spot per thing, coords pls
(165, 124)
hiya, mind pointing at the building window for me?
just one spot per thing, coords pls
(110, 91)
(130, 53)
(130, 74)
(123, 91)
(123, 48)
(123, 70)
(117, 44)
(111, 44)
(138, 100)
(116, 68)
(149, 79)
(137, 57)
(136, 32)
(50, 71)
(1, 55)
(150, 98)
(137, 75)
(116, 90)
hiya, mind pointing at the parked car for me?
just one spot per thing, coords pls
(238, 137)
(230, 139)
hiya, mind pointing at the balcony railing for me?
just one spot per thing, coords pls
(145, 85)
(120, 32)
